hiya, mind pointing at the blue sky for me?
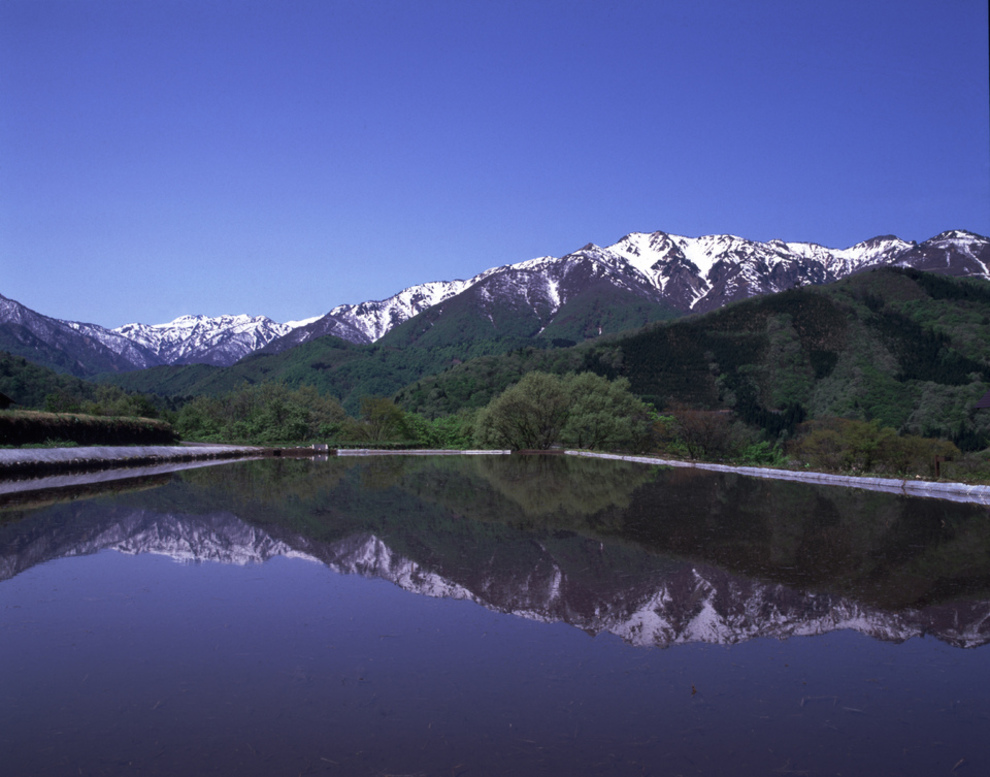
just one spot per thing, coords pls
(280, 158)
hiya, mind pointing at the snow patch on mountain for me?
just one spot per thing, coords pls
(220, 340)
(690, 274)
(683, 273)
(371, 557)
(705, 252)
(375, 318)
(303, 322)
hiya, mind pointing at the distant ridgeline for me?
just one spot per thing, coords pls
(582, 295)
(781, 340)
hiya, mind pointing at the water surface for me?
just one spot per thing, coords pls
(503, 615)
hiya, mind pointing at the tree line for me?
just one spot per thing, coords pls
(541, 410)
(538, 410)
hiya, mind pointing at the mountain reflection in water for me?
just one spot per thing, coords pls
(288, 641)
(656, 556)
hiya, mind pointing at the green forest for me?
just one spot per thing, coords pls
(906, 349)
(878, 372)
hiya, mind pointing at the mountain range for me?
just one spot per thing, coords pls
(685, 603)
(591, 291)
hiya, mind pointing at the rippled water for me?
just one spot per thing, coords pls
(475, 617)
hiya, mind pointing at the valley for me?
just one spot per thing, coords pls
(886, 331)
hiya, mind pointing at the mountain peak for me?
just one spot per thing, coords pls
(957, 234)
(686, 274)
(199, 339)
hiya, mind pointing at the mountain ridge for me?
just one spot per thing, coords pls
(691, 603)
(660, 272)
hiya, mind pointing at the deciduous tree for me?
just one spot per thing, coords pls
(584, 410)
(528, 415)
(604, 414)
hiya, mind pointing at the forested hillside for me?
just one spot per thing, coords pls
(28, 384)
(329, 364)
(906, 348)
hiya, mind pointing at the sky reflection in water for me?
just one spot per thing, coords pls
(133, 664)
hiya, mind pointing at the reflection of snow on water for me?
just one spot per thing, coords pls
(693, 604)
(717, 611)
(259, 665)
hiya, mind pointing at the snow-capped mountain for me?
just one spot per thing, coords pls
(87, 349)
(700, 274)
(693, 603)
(683, 273)
(955, 252)
(222, 340)
(648, 270)
(68, 346)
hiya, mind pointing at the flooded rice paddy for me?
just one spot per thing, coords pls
(491, 616)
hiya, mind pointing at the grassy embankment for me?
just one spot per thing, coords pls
(27, 427)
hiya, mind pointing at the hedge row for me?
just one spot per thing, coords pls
(23, 427)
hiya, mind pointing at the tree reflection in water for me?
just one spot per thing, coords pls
(121, 663)
(492, 523)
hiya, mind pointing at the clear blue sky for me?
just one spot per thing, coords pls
(279, 158)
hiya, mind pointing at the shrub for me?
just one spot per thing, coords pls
(451, 431)
(267, 413)
(763, 452)
(842, 444)
(705, 433)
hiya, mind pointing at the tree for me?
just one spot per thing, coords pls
(528, 415)
(266, 413)
(604, 414)
(111, 400)
(704, 432)
(585, 410)
(62, 401)
(383, 420)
